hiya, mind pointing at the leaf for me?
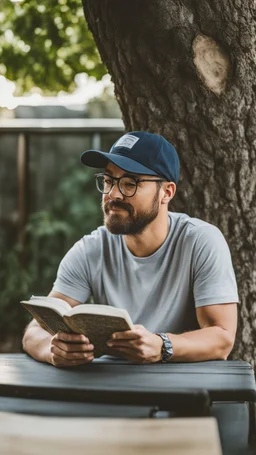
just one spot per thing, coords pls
(46, 45)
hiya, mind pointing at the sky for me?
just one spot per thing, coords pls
(87, 88)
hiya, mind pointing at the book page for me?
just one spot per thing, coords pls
(98, 328)
(59, 305)
(47, 318)
(106, 310)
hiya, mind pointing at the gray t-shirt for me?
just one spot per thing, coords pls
(191, 269)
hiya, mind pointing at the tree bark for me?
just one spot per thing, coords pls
(186, 69)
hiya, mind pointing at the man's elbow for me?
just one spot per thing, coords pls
(27, 334)
(226, 343)
(24, 340)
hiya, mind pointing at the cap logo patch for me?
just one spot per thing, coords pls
(127, 141)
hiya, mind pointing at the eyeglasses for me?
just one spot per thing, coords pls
(127, 185)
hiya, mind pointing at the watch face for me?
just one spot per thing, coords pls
(167, 350)
(166, 354)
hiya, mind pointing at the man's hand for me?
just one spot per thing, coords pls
(138, 345)
(69, 350)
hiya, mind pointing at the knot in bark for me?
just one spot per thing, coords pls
(212, 62)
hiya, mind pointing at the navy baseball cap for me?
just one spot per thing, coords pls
(139, 152)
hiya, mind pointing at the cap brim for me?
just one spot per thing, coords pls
(94, 158)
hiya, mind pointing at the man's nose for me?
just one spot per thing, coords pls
(115, 193)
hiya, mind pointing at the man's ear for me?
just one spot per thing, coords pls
(169, 189)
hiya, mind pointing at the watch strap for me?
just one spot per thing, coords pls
(167, 349)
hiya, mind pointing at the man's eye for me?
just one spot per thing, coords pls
(130, 184)
(107, 182)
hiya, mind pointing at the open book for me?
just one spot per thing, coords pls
(97, 322)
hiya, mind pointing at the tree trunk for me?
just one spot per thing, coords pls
(186, 69)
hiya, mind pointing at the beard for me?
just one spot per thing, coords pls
(134, 223)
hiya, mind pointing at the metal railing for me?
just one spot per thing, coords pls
(23, 128)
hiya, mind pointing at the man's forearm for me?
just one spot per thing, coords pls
(36, 342)
(209, 343)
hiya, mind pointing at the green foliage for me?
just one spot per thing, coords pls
(46, 44)
(15, 283)
(74, 213)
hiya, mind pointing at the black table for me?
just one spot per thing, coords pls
(183, 388)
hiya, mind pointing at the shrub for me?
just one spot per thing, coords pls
(74, 212)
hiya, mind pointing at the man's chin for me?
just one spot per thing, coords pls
(114, 222)
(115, 228)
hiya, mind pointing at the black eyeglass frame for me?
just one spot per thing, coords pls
(102, 174)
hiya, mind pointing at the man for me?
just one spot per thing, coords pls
(171, 272)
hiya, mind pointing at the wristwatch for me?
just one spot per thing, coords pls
(167, 350)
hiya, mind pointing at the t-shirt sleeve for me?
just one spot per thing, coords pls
(214, 277)
(72, 276)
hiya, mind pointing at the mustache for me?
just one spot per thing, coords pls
(118, 205)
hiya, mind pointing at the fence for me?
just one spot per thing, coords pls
(25, 129)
